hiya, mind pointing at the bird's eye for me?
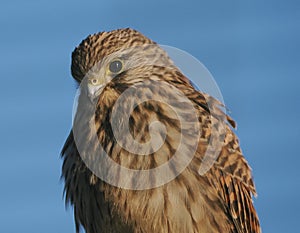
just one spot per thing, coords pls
(116, 66)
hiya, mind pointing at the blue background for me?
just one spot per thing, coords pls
(251, 48)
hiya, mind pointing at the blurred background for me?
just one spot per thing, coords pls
(252, 49)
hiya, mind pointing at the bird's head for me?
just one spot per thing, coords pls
(122, 54)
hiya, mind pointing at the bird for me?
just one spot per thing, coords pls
(212, 192)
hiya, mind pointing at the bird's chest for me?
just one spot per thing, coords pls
(171, 208)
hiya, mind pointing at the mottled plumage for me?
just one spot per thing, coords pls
(218, 201)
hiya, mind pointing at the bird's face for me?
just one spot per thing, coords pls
(127, 66)
(101, 74)
(123, 55)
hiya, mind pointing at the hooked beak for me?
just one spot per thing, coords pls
(94, 91)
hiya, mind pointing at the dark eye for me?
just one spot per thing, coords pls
(115, 66)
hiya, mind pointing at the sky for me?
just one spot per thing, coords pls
(251, 48)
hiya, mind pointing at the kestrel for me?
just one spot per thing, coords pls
(216, 200)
